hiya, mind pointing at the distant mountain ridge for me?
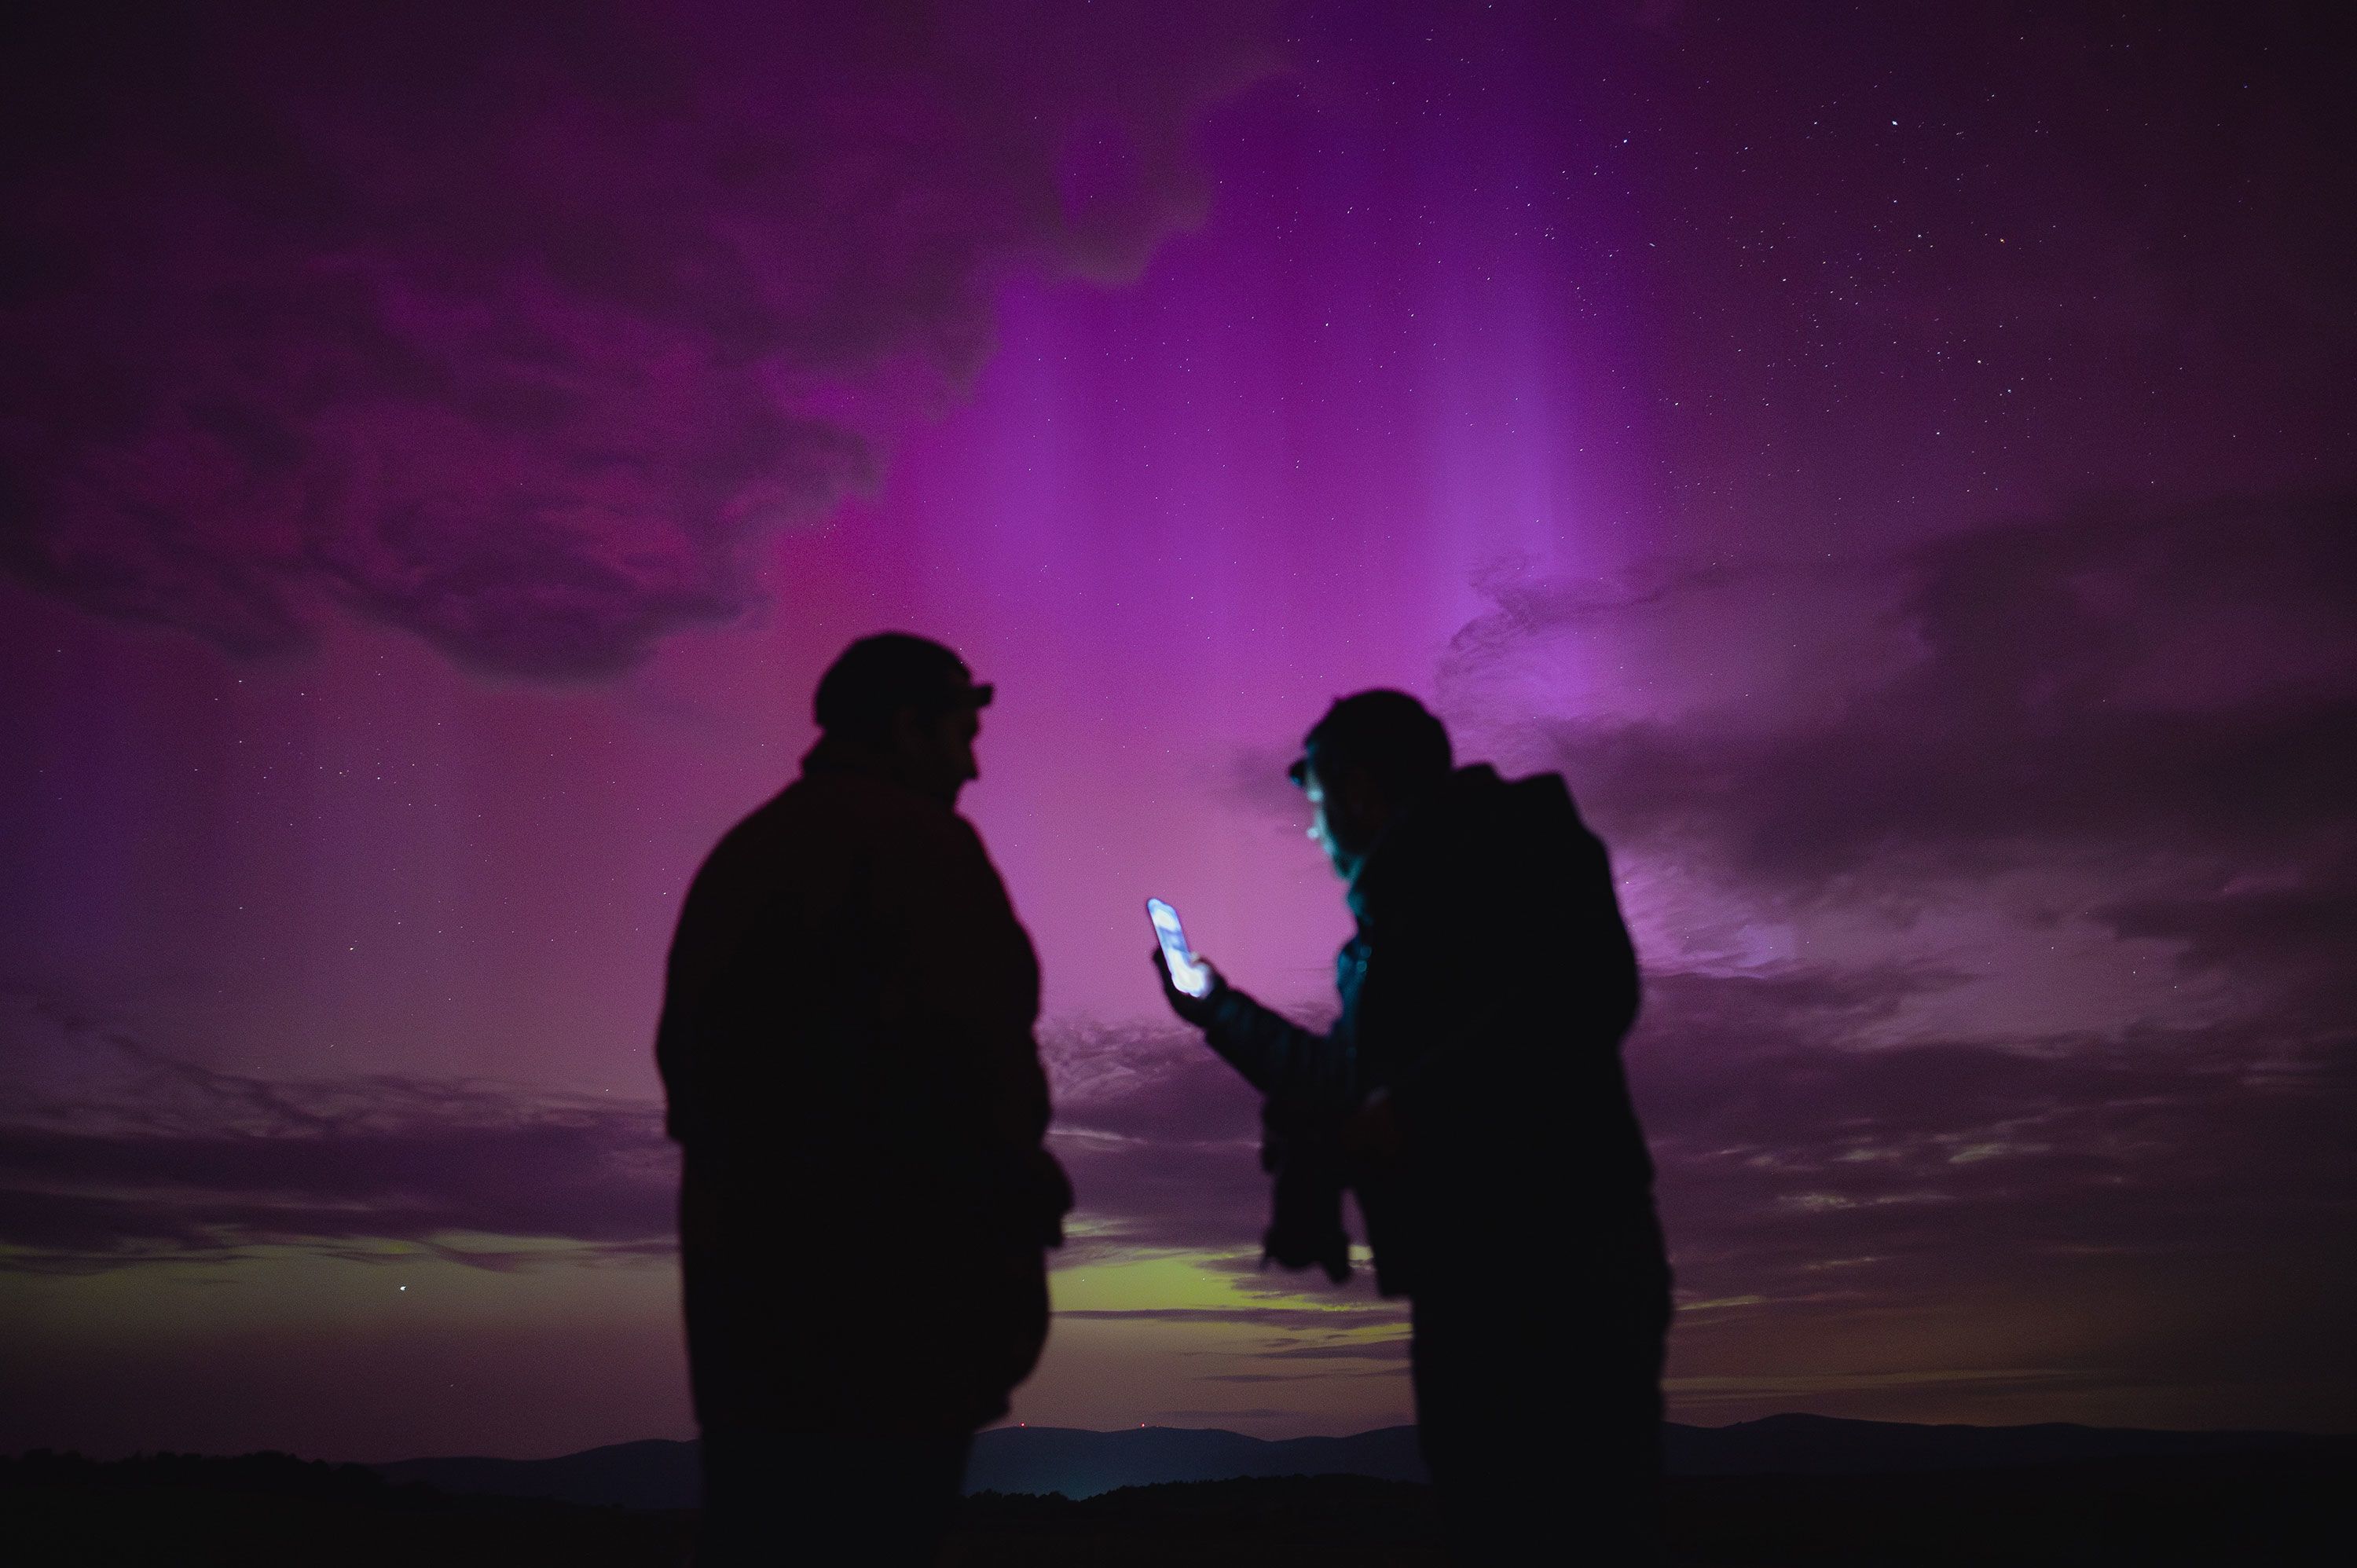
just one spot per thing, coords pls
(1081, 1463)
(660, 1472)
(652, 1473)
(1829, 1445)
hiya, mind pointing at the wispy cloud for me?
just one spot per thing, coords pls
(1340, 1315)
(2178, 686)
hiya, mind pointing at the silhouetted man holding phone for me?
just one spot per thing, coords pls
(1472, 1092)
(847, 1048)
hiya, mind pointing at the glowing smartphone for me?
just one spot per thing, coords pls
(1187, 971)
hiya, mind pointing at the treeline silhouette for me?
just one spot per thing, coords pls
(269, 1508)
(267, 1473)
(2278, 1507)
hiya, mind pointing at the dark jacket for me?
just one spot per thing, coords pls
(847, 1048)
(1487, 990)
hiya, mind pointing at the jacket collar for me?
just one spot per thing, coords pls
(839, 757)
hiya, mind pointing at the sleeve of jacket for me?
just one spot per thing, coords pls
(971, 988)
(1278, 1056)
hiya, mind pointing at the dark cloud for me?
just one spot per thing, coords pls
(1296, 1377)
(128, 1156)
(2164, 1208)
(510, 325)
(2161, 1206)
(2178, 686)
(1390, 1349)
(1161, 1137)
(1948, 1153)
(1150, 1195)
(112, 1152)
(2282, 938)
(2157, 1209)
(1151, 1081)
(2123, 728)
(1322, 1318)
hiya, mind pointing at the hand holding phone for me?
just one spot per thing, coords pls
(1188, 973)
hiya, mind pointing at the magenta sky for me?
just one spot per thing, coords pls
(1898, 470)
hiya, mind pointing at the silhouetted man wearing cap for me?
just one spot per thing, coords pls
(1472, 1092)
(846, 1047)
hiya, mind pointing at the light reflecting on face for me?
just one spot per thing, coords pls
(1321, 832)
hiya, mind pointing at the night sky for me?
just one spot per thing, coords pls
(1897, 466)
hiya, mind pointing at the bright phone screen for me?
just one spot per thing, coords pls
(1187, 971)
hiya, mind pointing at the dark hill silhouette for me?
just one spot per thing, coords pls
(658, 1473)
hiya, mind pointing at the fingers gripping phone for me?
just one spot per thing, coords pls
(1187, 972)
